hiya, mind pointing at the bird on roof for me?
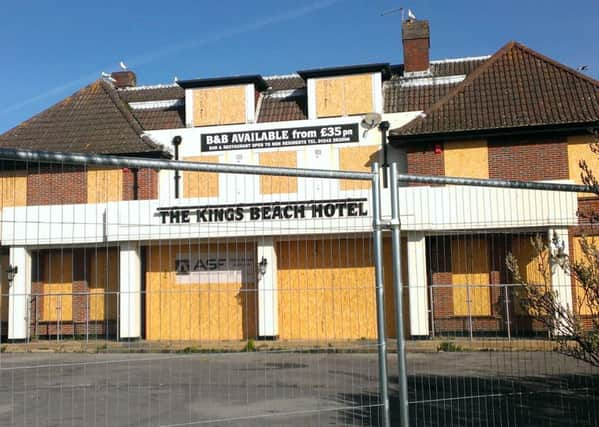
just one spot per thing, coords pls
(411, 15)
(123, 66)
(583, 68)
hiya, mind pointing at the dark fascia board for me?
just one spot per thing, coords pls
(402, 140)
(382, 67)
(255, 79)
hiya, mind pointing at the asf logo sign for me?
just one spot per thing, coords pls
(211, 268)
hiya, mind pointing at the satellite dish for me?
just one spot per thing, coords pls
(371, 120)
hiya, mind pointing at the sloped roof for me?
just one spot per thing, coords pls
(93, 120)
(278, 109)
(517, 87)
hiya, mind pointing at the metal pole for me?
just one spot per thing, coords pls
(432, 311)
(398, 289)
(468, 300)
(380, 305)
(507, 312)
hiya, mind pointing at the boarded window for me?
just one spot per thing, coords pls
(470, 276)
(104, 185)
(200, 184)
(58, 286)
(278, 184)
(582, 302)
(103, 283)
(344, 96)
(219, 106)
(13, 188)
(356, 159)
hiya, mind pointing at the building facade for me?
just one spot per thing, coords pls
(163, 255)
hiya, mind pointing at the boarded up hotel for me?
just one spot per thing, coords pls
(162, 255)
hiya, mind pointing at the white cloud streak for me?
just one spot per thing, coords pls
(160, 53)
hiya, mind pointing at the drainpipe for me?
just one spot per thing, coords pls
(176, 143)
(384, 127)
(135, 171)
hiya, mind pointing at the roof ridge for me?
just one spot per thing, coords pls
(473, 75)
(127, 114)
(148, 87)
(555, 63)
(460, 59)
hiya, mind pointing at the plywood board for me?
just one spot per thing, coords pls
(206, 106)
(103, 282)
(358, 94)
(357, 159)
(57, 286)
(13, 189)
(582, 303)
(329, 97)
(104, 185)
(470, 267)
(200, 184)
(326, 289)
(579, 149)
(232, 105)
(202, 311)
(278, 184)
(467, 159)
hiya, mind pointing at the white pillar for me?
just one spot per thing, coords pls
(130, 291)
(560, 280)
(18, 294)
(268, 314)
(417, 287)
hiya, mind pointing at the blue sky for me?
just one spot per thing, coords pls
(51, 49)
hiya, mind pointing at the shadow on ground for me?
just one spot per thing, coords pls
(435, 401)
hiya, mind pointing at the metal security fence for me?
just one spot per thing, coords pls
(157, 292)
(175, 293)
(476, 354)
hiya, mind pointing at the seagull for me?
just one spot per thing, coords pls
(123, 66)
(411, 15)
(583, 68)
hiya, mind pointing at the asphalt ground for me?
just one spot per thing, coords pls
(293, 389)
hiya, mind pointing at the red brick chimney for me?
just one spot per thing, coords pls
(416, 45)
(124, 78)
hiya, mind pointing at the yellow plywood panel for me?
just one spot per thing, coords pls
(358, 94)
(467, 159)
(470, 267)
(4, 261)
(232, 105)
(58, 286)
(198, 311)
(103, 283)
(329, 97)
(356, 159)
(583, 305)
(206, 106)
(326, 289)
(579, 149)
(13, 189)
(278, 184)
(200, 184)
(104, 185)
(528, 264)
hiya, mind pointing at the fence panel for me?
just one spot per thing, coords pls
(250, 299)
(476, 352)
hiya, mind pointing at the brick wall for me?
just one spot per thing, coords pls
(56, 184)
(147, 180)
(531, 159)
(422, 160)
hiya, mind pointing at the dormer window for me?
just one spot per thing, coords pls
(221, 101)
(345, 91)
